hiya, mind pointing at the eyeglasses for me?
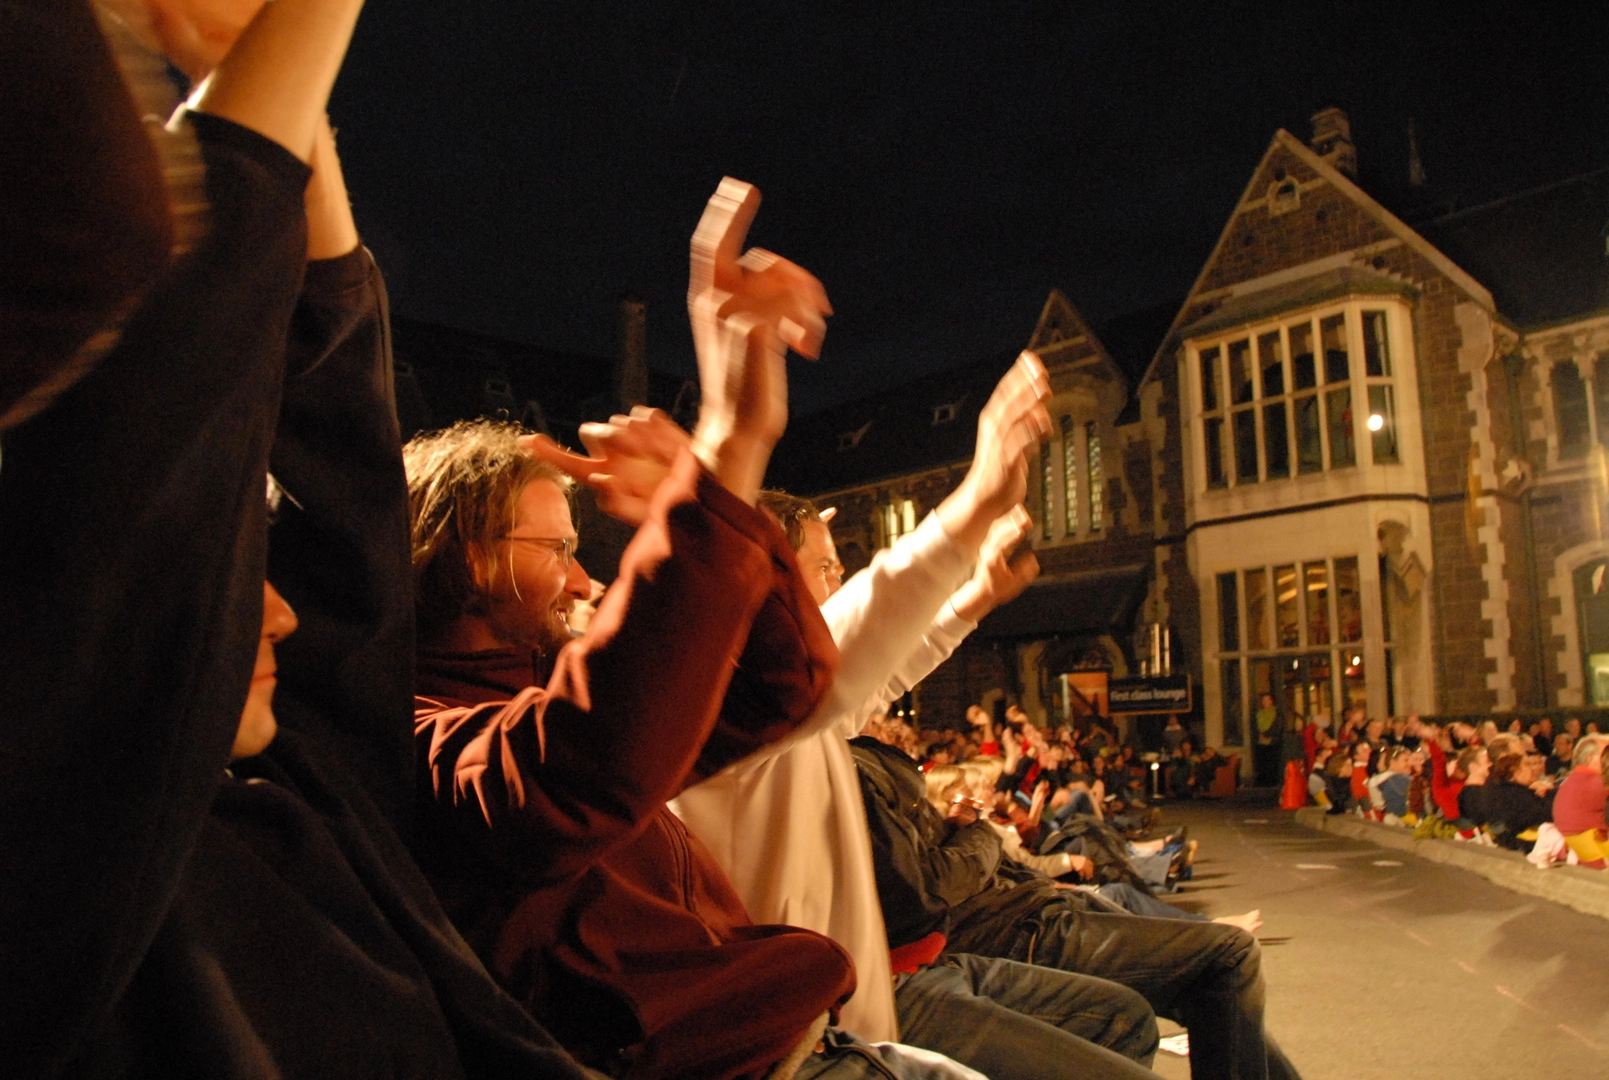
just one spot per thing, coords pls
(564, 550)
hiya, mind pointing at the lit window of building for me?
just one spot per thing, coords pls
(1072, 479)
(897, 517)
(1291, 639)
(1281, 401)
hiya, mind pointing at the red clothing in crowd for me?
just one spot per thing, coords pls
(544, 825)
(1443, 788)
(1579, 804)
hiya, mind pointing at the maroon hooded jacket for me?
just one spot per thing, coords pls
(543, 824)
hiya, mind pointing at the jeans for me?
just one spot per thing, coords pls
(1206, 976)
(846, 1057)
(1012, 1022)
(1138, 902)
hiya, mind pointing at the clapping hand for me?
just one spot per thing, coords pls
(629, 457)
(747, 310)
(999, 578)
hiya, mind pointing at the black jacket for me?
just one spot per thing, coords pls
(175, 919)
(933, 875)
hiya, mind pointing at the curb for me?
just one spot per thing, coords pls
(1586, 891)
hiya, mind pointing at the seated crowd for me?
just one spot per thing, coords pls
(1066, 801)
(1521, 786)
(347, 794)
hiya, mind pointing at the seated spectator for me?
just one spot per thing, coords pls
(1516, 802)
(1420, 803)
(933, 872)
(983, 724)
(1388, 789)
(1338, 780)
(1317, 789)
(1578, 807)
(1444, 786)
(1558, 763)
(1362, 755)
(1473, 766)
(225, 893)
(544, 825)
(1181, 771)
(1205, 774)
(1542, 735)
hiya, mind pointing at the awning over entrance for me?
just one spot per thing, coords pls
(1089, 602)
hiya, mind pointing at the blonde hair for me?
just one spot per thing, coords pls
(464, 485)
(986, 767)
(942, 782)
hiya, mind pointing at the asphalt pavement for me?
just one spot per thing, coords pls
(1384, 966)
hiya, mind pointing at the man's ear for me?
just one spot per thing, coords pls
(483, 568)
(828, 514)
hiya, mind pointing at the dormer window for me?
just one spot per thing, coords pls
(851, 439)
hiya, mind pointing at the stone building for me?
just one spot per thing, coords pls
(1380, 479)
(887, 460)
(1363, 461)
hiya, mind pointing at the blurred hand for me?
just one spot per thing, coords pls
(998, 579)
(747, 310)
(630, 457)
(963, 811)
(1013, 420)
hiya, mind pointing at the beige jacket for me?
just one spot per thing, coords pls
(789, 827)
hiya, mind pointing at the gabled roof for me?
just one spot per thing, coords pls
(924, 424)
(1544, 253)
(1284, 140)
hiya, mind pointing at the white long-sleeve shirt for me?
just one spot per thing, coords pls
(788, 826)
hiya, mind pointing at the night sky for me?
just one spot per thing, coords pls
(518, 166)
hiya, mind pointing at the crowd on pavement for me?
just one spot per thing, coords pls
(1511, 782)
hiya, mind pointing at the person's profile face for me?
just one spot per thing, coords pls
(818, 562)
(257, 726)
(532, 584)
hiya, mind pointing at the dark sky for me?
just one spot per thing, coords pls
(518, 165)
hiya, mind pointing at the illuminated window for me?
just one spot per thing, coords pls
(1282, 400)
(1299, 645)
(1097, 476)
(898, 517)
(1069, 468)
(1072, 481)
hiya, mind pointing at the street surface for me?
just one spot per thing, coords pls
(1383, 966)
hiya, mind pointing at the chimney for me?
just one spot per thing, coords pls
(1332, 140)
(1416, 167)
(631, 365)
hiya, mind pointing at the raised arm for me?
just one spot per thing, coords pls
(709, 607)
(998, 579)
(277, 77)
(84, 223)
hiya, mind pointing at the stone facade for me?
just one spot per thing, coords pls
(1467, 536)
(1427, 535)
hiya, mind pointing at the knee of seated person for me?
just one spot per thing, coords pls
(1239, 951)
(1134, 1033)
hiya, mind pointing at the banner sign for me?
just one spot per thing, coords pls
(1150, 694)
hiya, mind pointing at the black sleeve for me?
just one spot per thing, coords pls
(84, 219)
(338, 548)
(132, 536)
(919, 882)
